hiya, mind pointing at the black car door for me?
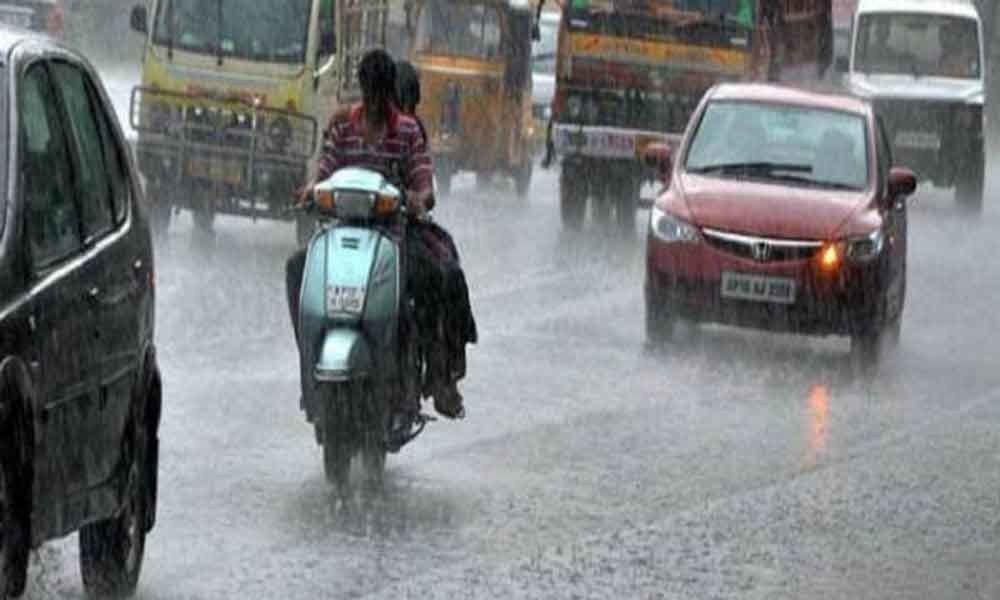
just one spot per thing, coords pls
(112, 273)
(60, 312)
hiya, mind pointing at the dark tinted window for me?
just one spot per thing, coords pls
(92, 179)
(114, 159)
(53, 223)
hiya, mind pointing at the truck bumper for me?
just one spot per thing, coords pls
(595, 141)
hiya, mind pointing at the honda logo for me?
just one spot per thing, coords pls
(761, 251)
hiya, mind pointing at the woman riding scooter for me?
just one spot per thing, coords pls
(376, 135)
(457, 320)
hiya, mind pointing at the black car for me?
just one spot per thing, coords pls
(79, 381)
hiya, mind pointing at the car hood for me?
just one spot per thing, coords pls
(916, 88)
(770, 210)
(543, 87)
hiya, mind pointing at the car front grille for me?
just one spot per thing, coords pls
(761, 249)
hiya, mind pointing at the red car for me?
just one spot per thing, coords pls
(47, 16)
(783, 212)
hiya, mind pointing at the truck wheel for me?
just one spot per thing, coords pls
(969, 189)
(111, 550)
(572, 198)
(14, 539)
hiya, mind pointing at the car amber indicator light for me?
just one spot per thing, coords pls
(830, 258)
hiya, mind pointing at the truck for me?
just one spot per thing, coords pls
(631, 72)
(233, 96)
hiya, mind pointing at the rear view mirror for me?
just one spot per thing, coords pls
(902, 182)
(658, 157)
(139, 19)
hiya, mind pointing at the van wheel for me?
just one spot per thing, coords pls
(111, 550)
(14, 539)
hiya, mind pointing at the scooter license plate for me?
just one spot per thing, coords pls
(345, 298)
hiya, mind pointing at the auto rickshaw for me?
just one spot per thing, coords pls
(474, 60)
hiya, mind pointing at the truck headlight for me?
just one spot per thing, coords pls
(670, 229)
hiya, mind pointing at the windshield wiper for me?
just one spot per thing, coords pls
(757, 168)
(834, 185)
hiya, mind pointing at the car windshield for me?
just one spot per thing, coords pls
(803, 146)
(459, 29)
(257, 30)
(918, 45)
(544, 50)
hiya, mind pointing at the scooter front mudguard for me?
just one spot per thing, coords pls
(344, 355)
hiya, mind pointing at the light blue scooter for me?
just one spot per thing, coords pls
(358, 345)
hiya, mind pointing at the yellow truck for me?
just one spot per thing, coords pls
(234, 95)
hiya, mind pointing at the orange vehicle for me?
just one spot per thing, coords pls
(631, 72)
(474, 59)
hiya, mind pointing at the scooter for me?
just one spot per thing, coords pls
(359, 353)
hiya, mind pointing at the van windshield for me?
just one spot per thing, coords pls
(918, 44)
(459, 29)
(257, 30)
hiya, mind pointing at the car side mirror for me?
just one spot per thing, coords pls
(658, 158)
(140, 19)
(902, 182)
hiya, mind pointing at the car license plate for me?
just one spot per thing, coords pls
(920, 140)
(758, 288)
(345, 298)
(15, 16)
(216, 170)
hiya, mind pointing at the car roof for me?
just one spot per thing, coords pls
(784, 94)
(957, 8)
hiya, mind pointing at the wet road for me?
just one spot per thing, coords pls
(738, 465)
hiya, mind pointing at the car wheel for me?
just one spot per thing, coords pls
(14, 542)
(572, 198)
(111, 550)
(660, 324)
(969, 189)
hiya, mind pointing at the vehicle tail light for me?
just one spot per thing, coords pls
(55, 23)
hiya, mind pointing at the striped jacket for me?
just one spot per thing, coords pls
(401, 154)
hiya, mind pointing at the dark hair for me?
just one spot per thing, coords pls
(377, 78)
(407, 86)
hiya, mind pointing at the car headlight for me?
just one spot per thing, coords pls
(865, 248)
(669, 228)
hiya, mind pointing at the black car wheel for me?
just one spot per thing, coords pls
(111, 550)
(14, 542)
